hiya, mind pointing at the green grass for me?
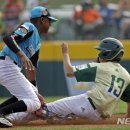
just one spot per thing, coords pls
(121, 107)
(51, 99)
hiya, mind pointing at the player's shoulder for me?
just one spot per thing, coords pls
(29, 26)
(25, 29)
(93, 64)
(123, 68)
(105, 66)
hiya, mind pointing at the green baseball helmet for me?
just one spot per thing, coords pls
(110, 49)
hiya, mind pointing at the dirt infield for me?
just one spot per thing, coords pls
(78, 123)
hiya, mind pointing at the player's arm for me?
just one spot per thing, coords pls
(31, 75)
(83, 73)
(66, 60)
(10, 41)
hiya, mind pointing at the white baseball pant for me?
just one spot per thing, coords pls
(78, 105)
(17, 84)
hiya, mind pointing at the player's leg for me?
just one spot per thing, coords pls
(16, 83)
(78, 105)
(22, 117)
(9, 101)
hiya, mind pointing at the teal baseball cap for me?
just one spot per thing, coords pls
(40, 11)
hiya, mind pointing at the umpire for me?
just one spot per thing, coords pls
(22, 50)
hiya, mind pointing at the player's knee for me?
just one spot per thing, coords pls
(32, 105)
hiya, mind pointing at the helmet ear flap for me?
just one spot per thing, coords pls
(104, 54)
(98, 61)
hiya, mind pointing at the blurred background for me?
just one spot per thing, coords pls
(78, 19)
(82, 23)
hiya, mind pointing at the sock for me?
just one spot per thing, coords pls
(18, 106)
(9, 101)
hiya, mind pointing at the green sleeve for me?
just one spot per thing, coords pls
(126, 94)
(86, 74)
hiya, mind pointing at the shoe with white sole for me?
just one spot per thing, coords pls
(4, 122)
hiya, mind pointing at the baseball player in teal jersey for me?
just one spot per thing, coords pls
(22, 50)
(111, 82)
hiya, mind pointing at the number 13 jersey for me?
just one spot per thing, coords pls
(110, 80)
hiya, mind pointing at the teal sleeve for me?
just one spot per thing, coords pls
(126, 94)
(86, 75)
(20, 32)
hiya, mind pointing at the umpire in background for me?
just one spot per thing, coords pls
(22, 50)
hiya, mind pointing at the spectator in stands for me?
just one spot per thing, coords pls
(122, 17)
(89, 19)
(31, 3)
(44, 3)
(12, 10)
(105, 12)
(2, 23)
(78, 22)
(124, 4)
(125, 21)
(108, 20)
(127, 33)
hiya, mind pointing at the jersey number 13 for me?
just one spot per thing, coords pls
(120, 82)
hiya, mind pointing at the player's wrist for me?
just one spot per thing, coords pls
(34, 82)
(65, 54)
(20, 54)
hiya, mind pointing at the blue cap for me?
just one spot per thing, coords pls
(39, 11)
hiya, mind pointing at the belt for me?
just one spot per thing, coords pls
(91, 102)
(4, 57)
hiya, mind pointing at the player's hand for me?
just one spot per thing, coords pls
(27, 64)
(41, 98)
(64, 47)
(39, 111)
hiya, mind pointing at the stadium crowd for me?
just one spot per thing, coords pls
(104, 19)
(89, 20)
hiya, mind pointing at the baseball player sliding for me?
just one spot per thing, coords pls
(111, 82)
(22, 50)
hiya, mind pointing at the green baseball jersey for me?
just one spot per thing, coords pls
(110, 80)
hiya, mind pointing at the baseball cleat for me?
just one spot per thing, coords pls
(4, 122)
(45, 113)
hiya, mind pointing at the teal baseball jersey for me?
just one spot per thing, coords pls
(28, 40)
